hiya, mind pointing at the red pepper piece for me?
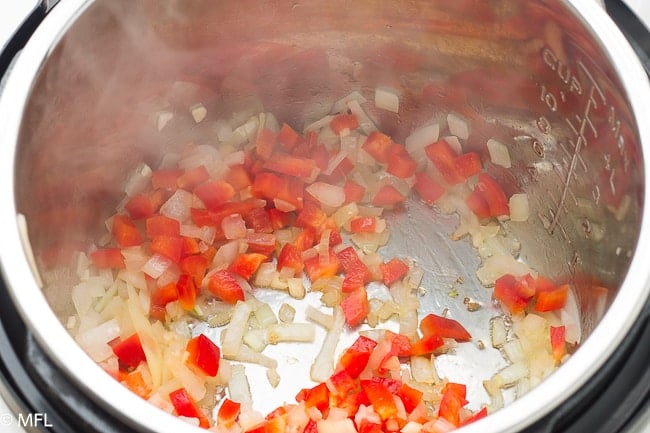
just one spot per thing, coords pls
(400, 163)
(161, 225)
(393, 270)
(478, 204)
(265, 142)
(167, 246)
(410, 396)
(126, 234)
(259, 220)
(214, 193)
(446, 328)
(428, 189)
(185, 405)
(108, 258)
(514, 292)
(426, 345)
(291, 256)
(468, 164)
(291, 165)
(144, 205)
(204, 355)
(193, 178)
(238, 177)
(288, 137)
(166, 179)
(357, 275)
(381, 398)
(228, 413)
(311, 215)
(160, 297)
(444, 158)
(558, 343)
(552, 299)
(348, 257)
(224, 286)
(355, 307)
(344, 121)
(378, 145)
(317, 397)
(475, 417)
(353, 192)
(129, 351)
(363, 224)
(196, 266)
(453, 399)
(187, 292)
(245, 265)
(263, 243)
(493, 195)
(315, 269)
(387, 196)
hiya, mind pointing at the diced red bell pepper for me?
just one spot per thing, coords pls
(477, 204)
(161, 225)
(263, 243)
(291, 257)
(315, 269)
(311, 215)
(348, 257)
(259, 220)
(271, 186)
(446, 328)
(193, 178)
(356, 275)
(129, 351)
(558, 342)
(142, 206)
(224, 286)
(166, 179)
(160, 297)
(468, 164)
(428, 189)
(513, 292)
(493, 195)
(453, 399)
(363, 224)
(288, 137)
(317, 397)
(279, 219)
(410, 396)
(321, 156)
(214, 193)
(400, 344)
(228, 413)
(191, 246)
(185, 406)
(126, 234)
(265, 143)
(344, 121)
(378, 145)
(426, 345)
(187, 292)
(381, 398)
(311, 427)
(475, 417)
(204, 355)
(444, 158)
(238, 177)
(353, 192)
(108, 258)
(552, 299)
(305, 239)
(356, 357)
(167, 246)
(401, 164)
(135, 382)
(245, 265)
(387, 196)
(355, 307)
(291, 165)
(393, 270)
(196, 266)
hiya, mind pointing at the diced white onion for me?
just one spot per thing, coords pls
(199, 112)
(420, 138)
(178, 205)
(234, 333)
(458, 126)
(328, 195)
(233, 227)
(138, 180)
(570, 315)
(387, 99)
(342, 104)
(366, 124)
(499, 153)
(156, 265)
(519, 208)
(323, 366)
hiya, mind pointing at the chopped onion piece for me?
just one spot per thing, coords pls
(498, 331)
(178, 205)
(334, 162)
(233, 226)
(299, 332)
(498, 265)
(458, 126)
(138, 180)
(387, 99)
(320, 123)
(345, 213)
(95, 341)
(519, 208)
(227, 253)
(273, 377)
(365, 122)
(163, 118)
(235, 158)
(420, 138)
(296, 288)
(287, 313)
(232, 340)
(342, 104)
(199, 112)
(323, 319)
(512, 373)
(156, 265)
(454, 142)
(328, 195)
(323, 365)
(422, 369)
(499, 153)
(238, 387)
(570, 315)
(514, 351)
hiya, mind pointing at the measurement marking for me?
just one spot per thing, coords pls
(570, 155)
(577, 148)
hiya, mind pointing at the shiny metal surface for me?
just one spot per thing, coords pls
(74, 115)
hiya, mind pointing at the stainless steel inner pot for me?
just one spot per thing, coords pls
(554, 80)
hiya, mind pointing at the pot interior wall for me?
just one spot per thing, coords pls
(525, 73)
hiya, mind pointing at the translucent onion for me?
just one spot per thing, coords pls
(156, 265)
(327, 194)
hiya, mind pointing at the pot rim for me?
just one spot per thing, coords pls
(68, 356)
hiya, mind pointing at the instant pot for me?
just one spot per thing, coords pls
(46, 384)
